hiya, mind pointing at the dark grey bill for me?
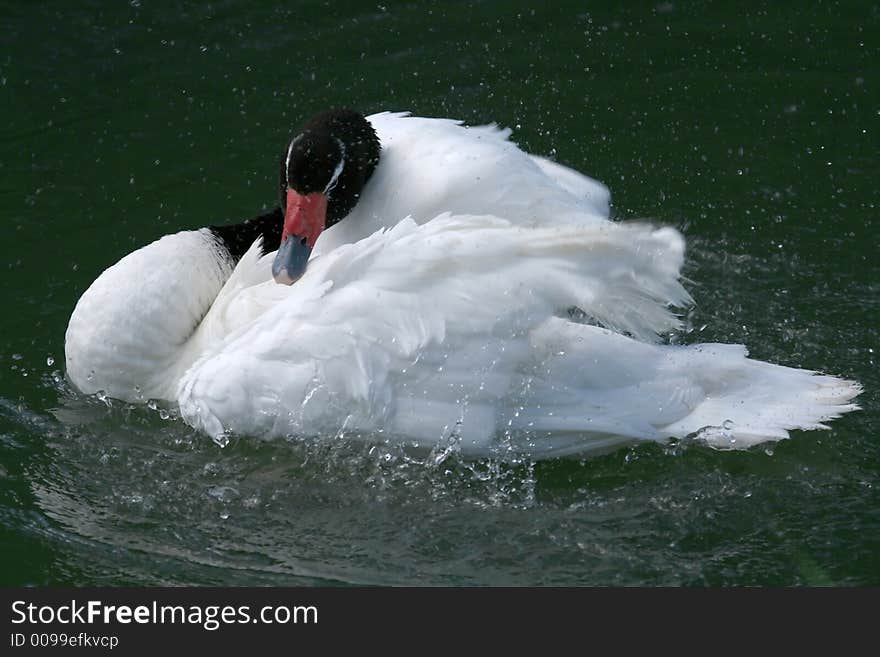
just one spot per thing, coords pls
(291, 260)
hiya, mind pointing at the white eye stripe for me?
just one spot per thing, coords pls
(287, 159)
(338, 170)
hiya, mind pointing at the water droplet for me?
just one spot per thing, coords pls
(769, 450)
(728, 425)
(50, 361)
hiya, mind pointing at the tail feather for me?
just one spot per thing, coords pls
(613, 384)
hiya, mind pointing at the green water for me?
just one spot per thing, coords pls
(753, 129)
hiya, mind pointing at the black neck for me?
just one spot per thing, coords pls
(238, 237)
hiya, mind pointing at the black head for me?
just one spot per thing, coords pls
(323, 172)
(334, 153)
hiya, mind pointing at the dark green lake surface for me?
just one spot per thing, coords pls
(753, 128)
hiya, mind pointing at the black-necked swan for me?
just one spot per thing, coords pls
(443, 262)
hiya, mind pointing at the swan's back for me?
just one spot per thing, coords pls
(432, 166)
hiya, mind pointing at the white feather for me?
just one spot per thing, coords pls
(431, 166)
(134, 331)
(449, 330)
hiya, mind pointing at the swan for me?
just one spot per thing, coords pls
(427, 283)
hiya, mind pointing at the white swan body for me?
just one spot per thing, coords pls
(467, 346)
(435, 313)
